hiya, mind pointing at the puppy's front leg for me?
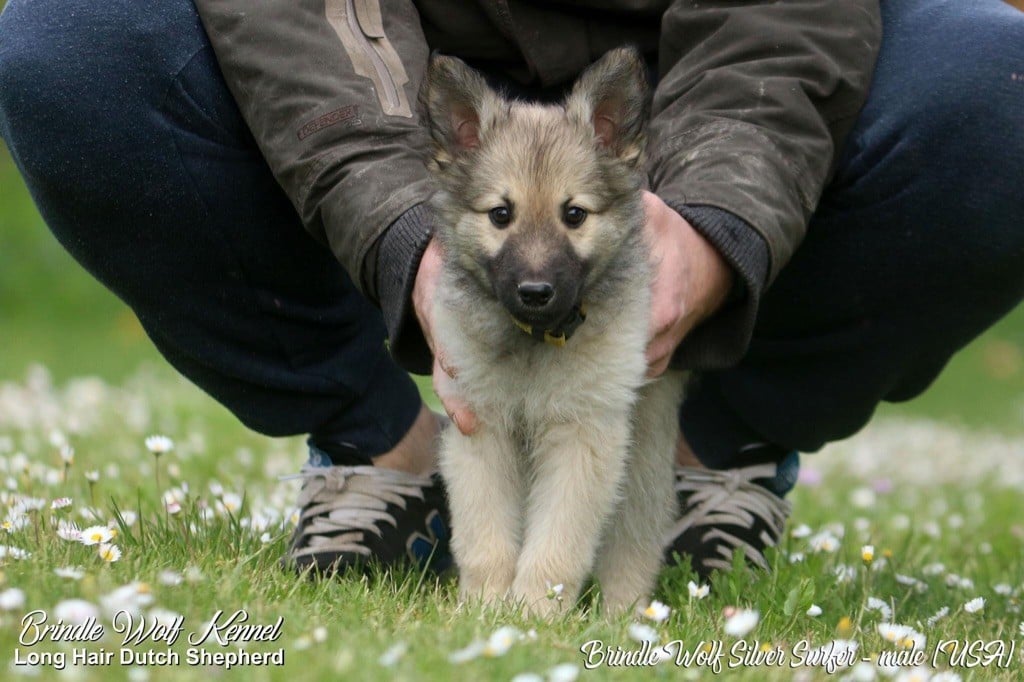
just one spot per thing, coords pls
(578, 470)
(485, 494)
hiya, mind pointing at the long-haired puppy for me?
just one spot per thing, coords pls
(543, 308)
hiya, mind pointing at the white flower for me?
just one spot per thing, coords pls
(13, 552)
(194, 575)
(844, 573)
(862, 498)
(92, 476)
(902, 635)
(946, 676)
(814, 611)
(69, 573)
(937, 616)
(801, 531)
(742, 622)
(564, 672)
(698, 591)
(472, 651)
(96, 535)
(796, 557)
(132, 598)
(67, 454)
(320, 634)
(867, 553)
(934, 569)
(975, 605)
(639, 632)
(555, 591)
(137, 674)
(1020, 629)
(527, 677)
(75, 611)
(60, 503)
(824, 541)
(162, 616)
(11, 599)
(876, 604)
(501, 640)
(170, 578)
(862, 672)
(393, 655)
(159, 445)
(917, 674)
(954, 580)
(229, 503)
(110, 553)
(172, 507)
(911, 581)
(1003, 589)
(67, 530)
(657, 611)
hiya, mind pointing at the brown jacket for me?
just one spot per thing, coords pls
(752, 102)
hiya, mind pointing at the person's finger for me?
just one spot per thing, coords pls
(456, 408)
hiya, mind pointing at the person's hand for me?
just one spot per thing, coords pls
(691, 281)
(444, 373)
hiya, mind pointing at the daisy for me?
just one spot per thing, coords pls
(472, 651)
(60, 503)
(229, 503)
(975, 605)
(814, 611)
(393, 655)
(937, 616)
(13, 552)
(555, 591)
(69, 573)
(170, 578)
(132, 597)
(501, 641)
(801, 531)
(11, 599)
(110, 553)
(564, 672)
(698, 591)
(639, 632)
(741, 622)
(657, 611)
(824, 541)
(1003, 589)
(96, 535)
(875, 604)
(867, 553)
(75, 611)
(92, 476)
(67, 530)
(902, 635)
(159, 445)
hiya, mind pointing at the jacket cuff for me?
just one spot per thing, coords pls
(722, 340)
(398, 255)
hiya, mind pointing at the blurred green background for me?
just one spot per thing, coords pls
(52, 312)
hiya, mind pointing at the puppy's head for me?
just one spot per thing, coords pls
(536, 200)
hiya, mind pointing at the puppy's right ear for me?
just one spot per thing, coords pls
(457, 105)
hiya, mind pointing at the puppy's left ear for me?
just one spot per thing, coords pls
(613, 98)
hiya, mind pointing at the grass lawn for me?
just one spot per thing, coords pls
(934, 486)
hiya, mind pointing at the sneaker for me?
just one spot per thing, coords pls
(728, 510)
(356, 515)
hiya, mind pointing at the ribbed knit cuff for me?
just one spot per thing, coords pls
(398, 255)
(722, 339)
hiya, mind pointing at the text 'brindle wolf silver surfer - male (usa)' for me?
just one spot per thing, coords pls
(543, 307)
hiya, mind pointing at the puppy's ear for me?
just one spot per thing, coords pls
(457, 105)
(612, 97)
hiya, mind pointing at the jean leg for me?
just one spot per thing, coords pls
(916, 248)
(141, 165)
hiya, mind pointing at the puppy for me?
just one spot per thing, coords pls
(543, 308)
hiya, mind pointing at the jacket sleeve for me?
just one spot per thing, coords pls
(752, 104)
(328, 89)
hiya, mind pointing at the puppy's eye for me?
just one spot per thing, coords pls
(574, 216)
(500, 216)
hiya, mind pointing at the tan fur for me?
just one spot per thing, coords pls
(570, 471)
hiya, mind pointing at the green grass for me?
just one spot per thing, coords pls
(54, 315)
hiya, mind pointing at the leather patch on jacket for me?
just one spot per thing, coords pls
(360, 27)
(349, 115)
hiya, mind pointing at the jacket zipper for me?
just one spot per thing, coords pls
(386, 79)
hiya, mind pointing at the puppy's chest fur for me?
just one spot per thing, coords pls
(520, 384)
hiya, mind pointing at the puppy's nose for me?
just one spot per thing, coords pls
(535, 294)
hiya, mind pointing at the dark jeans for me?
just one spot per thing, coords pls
(136, 155)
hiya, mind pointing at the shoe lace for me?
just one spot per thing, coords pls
(730, 498)
(340, 504)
